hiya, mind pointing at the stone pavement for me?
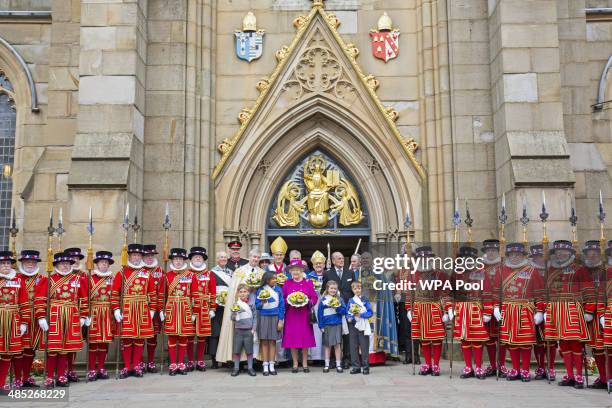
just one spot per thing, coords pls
(389, 386)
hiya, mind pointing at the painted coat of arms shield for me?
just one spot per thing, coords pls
(249, 44)
(385, 44)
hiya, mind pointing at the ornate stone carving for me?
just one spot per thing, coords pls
(411, 145)
(225, 146)
(244, 115)
(282, 53)
(372, 82)
(263, 84)
(391, 113)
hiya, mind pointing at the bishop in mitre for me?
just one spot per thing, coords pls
(226, 338)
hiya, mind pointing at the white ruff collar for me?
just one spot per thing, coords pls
(24, 272)
(198, 268)
(493, 261)
(76, 267)
(102, 274)
(153, 265)
(10, 275)
(178, 269)
(555, 264)
(139, 266)
(517, 265)
(588, 264)
(62, 273)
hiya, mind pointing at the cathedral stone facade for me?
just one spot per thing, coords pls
(303, 118)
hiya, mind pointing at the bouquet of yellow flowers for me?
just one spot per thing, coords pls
(281, 278)
(236, 307)
(354, 309)
(264, 294)
(333, 302)
(221, 298)
(297, 299)
(317, 284)
(253, 280)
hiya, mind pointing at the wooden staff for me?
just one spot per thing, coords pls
(50, 231)
(503, 218)
(124, 259)
(456, 222)
(543, 218)
(89, 265)
(165, 255)
(13, 232)
(408, 225)
(602, 244)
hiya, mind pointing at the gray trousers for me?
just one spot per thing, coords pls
(358, 340)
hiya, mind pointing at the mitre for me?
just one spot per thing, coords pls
(279, 246)
(317, 257)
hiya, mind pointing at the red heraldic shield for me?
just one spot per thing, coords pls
(385, 44)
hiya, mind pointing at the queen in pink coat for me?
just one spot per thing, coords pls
(298, 332)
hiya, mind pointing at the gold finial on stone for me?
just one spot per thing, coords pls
(249, 22)
(385, 23)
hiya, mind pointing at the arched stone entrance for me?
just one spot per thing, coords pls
(316, 98)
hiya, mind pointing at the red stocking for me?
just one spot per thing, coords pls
(172, 344)
(525, 358)
(93, 351)
(28, 359)
(600, 360)
(437, 351)
(70, 361)
(569, 366)
(552, 355)
(190, 349)
(491, 353)
(151, 345)
(138, 350)
(501, 359)
(51, 365)
(200, 348)
(540, 352)
(577, 360)
(126, 351)
(182, 349)
(478, 356)
(515, 356)
(5, 365)
(101, 355)
(426, 349)
(467, 353)
(62, 364)
(18, 366)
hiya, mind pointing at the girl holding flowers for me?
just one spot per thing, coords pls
(271, 308)
(331, 310)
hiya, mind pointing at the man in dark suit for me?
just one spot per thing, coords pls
(344, 278)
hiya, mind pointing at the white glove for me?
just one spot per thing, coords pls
(22, 329)
(82, 320)
(602, 321)
(193, 318)
(88, 321)
(545, 316)
(588, 317)
(538, 318)
(409, 314)
(445, 317)
(486, 318)
(451, 313)
(397, 297)
(161, 316)
(118, 315)
(211, 313)
(152, 313)
(42, 323)
(497, 314)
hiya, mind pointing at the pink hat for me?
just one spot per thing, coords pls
(297, 263)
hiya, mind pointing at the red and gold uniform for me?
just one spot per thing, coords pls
(22, 366)
(102, 328)
(568, 288)
(204, 304)
(68, 310)
(492, 271)
(522, 288)
(157, 274)
(471, 312)
(139, 305)
(179, 313)
(428, 311)
(605, 321)
(77, 256)
(539, 349)
(15, 315)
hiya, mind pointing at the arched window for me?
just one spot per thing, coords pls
(7, 155)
